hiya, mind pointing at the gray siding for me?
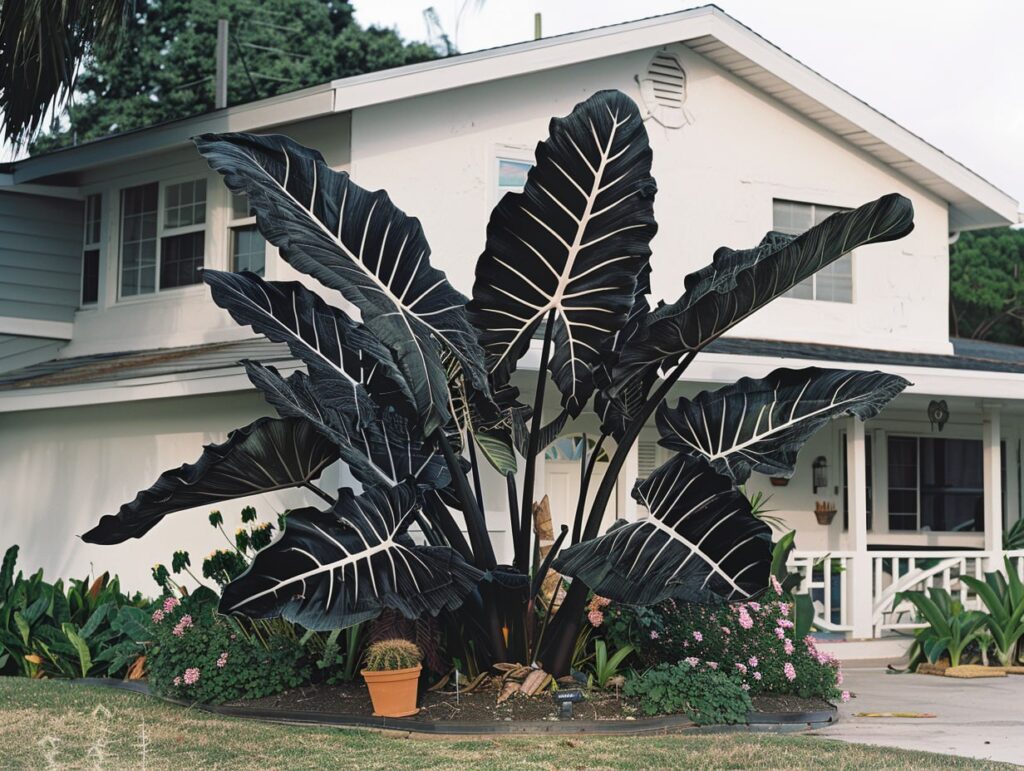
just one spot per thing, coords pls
(17, 352)
(40, 257)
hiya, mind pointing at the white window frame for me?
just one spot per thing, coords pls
(241, 222)
(90, 245)
(161, 232)
(499, 153)
(814, 278)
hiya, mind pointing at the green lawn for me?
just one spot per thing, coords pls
(52, 724)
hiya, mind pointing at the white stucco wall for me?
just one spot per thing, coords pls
(61, 469)
(717, 178)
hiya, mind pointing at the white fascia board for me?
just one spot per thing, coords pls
(54, 330)
(162, 387)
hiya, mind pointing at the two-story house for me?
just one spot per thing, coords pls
(115, 364)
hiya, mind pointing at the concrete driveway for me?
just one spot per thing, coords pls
(982, 718)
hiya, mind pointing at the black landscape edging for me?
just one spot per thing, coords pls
(757, 721)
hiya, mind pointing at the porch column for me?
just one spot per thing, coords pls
(992, 473)
(859, 589)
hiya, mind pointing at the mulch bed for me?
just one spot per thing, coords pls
(480, 706)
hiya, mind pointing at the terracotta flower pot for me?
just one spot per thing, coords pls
(825, 517)
(393, 691)
(779, 481)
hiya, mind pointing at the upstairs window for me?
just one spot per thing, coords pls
(248, 247)
(163, 236)
(91, 249)
(512, 175)
(834, 282)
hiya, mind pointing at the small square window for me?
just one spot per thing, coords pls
(185, 204)
(248, 250)
(512, 175)
(834, 282)
(240, 207)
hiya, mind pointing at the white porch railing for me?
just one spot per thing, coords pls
(832, 586)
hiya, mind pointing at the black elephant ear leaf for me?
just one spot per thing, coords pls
(385, 450)
(338, 352)
(361, 244)
(333, 569)
(264, 456)
(760, 425)
(738, 283)
(572, 244)
(699, 543)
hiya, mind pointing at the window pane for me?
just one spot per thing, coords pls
(185, 204)
(903, 476)
(512, 175)
(802, 291)
(90, 276)
(792, 217)
(93, 218)
(833, 283)
(952, 487)
(181, 257)
(240, 207)
(248, 249)
(138, 237)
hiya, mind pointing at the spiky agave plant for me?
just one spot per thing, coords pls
(424, 380)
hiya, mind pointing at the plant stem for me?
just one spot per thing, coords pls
(476, 470)
(313, 488)
(438, 512)
(581, 503)
(513, 506)
(522, 550)
(483, 552)
(560, 650)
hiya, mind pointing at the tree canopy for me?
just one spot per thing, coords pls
(162, 65)
(986, 286)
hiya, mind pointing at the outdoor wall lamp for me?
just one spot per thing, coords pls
(819, 472)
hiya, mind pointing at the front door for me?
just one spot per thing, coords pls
(563, 476)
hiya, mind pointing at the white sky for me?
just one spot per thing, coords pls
(951, 72)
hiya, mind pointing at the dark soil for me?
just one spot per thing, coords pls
(481, 705)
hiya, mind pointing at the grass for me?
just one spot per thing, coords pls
(53, 724)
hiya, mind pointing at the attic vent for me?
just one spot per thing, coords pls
(663, 88)
(647, 457)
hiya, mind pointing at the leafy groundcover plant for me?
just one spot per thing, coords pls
(198, 655)
(704, 694)
(419, 393)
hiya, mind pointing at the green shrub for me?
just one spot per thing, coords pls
(707, 696)
(392, 654)
(200, 656)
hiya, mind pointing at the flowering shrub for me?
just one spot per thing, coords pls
(200, 656)
(705, 693)
(755, 640)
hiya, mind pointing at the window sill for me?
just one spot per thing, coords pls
(164, 295)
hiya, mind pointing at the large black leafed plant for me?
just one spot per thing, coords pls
(417, 394)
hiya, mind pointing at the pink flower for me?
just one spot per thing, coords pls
(600, 602)
(787, 645)
(839, 677)
(745, 687)
(845, 696)
(780, 632)
(784, 608)
(191, 676)
(757, 675)
(170, 604)
(745, 620)
(742, 668)
(789, 671)
(222, 660)
(752, 661)
(158, 616)
(654, 635)
(755, 606)
(726, 630)
(713, 664)
(785, 623)
(177, 682)
(698, 636)
(692, 660)
(595, 617)
(776, 585)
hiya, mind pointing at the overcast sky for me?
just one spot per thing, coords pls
(951, 72)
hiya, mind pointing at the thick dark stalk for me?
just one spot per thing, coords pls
(513, 507)
(581, 503)
(313, 488)
(557, 657)
(522, 550)
(476, 470)
(443, 518)
(476, 525)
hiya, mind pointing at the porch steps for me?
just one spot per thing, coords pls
(871, 652)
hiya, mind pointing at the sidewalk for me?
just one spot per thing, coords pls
(981, 718)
